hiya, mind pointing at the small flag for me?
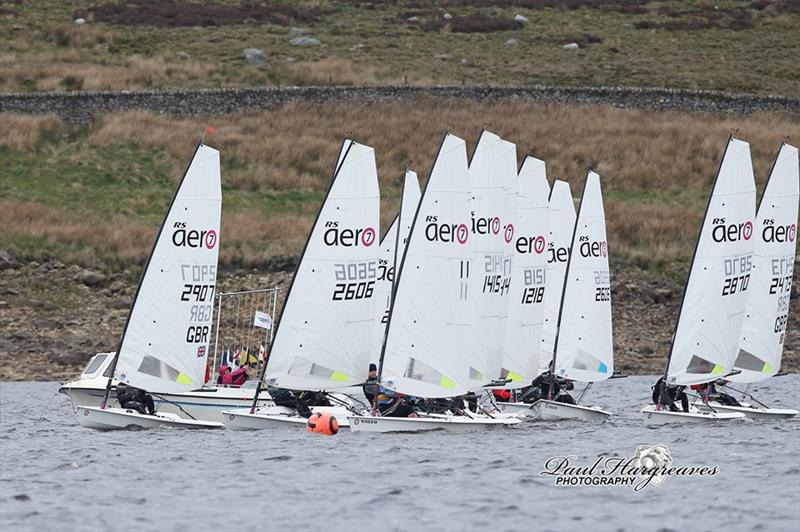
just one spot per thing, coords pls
(201, 351)
(262, 320)
(262, 353)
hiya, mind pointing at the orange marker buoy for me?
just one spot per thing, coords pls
(313, 423)
(327, 424)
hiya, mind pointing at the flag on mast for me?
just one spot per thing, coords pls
(262, 320)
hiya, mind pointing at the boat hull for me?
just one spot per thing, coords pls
(753, 412)
(515, 408)
(278, 417)
(205, 405)
(545, 410)
(664, 417)
(423, 424)
(122, 418)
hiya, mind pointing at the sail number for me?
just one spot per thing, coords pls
(602, 292)
(201, 292)
(737, 272)
(534, 280)
(359, 280)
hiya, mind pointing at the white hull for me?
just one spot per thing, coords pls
(206, 404)
(421, 424)
(278, 417)
(545, 410)
(664, 417)
(121, 419)
(754, 412)
(515, 408)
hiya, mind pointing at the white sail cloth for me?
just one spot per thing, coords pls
(165, 343)
(584, 342)
(323, 340)
(707, 335)
(767, 311)
(526, 305)
(428, 330)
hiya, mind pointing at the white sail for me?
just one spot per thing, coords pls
(428, 330)
(492, 171)
(706, 338)
(529, 265)
(767, 311)
(165, 343)
(560, 226)
(389, 253)
(584, 345)
(323, 340)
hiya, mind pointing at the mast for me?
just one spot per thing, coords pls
(564, 288)
(259, 386)
(107, 392)
(399, 269)
(691, 265)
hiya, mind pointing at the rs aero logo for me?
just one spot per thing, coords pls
(336, 236)
(593, 249)
(725, 232)
(436, 231)
(192, 238)
(491, 226)
(778, 233)
(531, 244)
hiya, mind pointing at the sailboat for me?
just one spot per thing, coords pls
(529, 271)
(560, 226)
(764, 327)
(323, 340)
(164, 343)
(429, 324)
(392, 246)
(706, 340)
(584, 350)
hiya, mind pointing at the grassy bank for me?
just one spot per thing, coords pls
(94, 195)
(736, 45)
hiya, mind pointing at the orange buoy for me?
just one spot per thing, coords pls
(327, 424)
(313, 423)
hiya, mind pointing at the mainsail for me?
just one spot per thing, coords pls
(764, 327)
(706, 339)
(390, 252)
(165, 342)
(428, 330)
(584, 345)
(560, 226)
(323, 340)
(528, 274)
(492, 173)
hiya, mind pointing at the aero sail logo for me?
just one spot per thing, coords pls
(778, 233)
(725, 232)
(335, 236)
(436, 231)
(192, 238)
(531, 244)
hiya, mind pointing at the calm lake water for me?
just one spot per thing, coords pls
(57, 475)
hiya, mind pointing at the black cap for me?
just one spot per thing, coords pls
(373, 367)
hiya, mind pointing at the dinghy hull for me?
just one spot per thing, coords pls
(515, 408)
(545, 410)
(665, 417)
(121, 418)
(278, 417)
(423, 424)
(753, 412)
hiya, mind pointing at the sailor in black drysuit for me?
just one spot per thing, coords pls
(135, 399)
(283, 397)
(666, 395)
(540, 389)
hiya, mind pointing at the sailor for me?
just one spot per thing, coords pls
(239, 376)
(548, 382)
(283, 397)
(371, 387)
(666, 395)
(135, 399)
(708, 391)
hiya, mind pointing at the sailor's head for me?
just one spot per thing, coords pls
(373, 371)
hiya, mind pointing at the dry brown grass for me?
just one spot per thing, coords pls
(23, 132)
(657, 167)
